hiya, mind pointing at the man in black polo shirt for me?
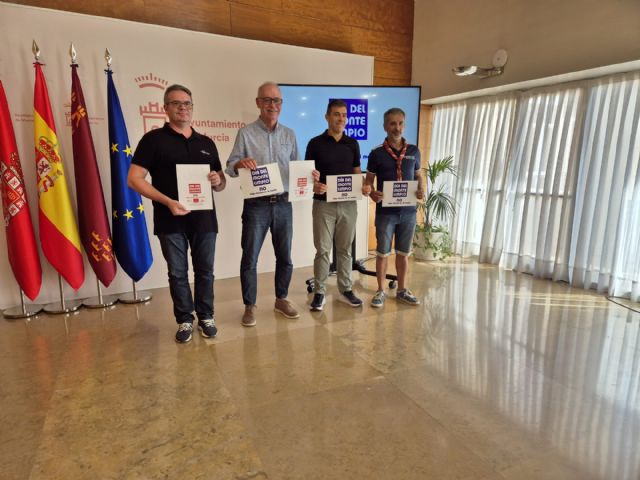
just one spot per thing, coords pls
(177, 228)
(335, 154)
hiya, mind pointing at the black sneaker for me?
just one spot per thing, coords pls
(351, 299)
(317, 303)
(207, 328)
(183, 335)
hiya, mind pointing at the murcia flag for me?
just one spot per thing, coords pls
(92, 214)
(130, 237)
(21, 242)
(58, 231)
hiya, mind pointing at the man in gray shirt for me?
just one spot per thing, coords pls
(259, 143)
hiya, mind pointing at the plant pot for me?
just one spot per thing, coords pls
(420, 242)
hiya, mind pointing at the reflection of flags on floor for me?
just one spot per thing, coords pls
(58, 231)
(21, 242)
(130, 237)
(92, 215)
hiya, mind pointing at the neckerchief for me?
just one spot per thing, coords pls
(397, 158)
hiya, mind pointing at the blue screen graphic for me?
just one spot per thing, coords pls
(305, 106)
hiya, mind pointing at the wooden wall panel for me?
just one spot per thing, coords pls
(271, 26)
(268, 4)
(426, 128)
(399, 73)
(132, 10)
(379, 28)
(212, 16)
(386, 15)
(329, 12)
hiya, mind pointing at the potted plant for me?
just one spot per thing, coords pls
(431, 240)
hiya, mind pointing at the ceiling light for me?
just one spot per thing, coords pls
(499, 61)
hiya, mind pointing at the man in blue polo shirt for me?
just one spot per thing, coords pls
(259, 143)
(177, 228)
(394, 160)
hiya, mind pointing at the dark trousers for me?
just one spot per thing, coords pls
(258, 217)
(174, 249)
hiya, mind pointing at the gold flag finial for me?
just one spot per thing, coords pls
(73, 54)
(36, 51)
(108, 58)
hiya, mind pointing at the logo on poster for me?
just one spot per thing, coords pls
(344, 184)
(400, 190)
(357, 116)
(260, 176)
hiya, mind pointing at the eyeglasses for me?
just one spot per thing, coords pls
(270, 100)
(175, 103)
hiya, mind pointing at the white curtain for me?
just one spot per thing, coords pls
(605, 243)
(548, 180)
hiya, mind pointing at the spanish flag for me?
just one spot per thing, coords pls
(58, 231)
(21, 242)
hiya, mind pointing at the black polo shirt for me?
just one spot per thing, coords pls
(384, 167)
(159, 151)
(333, 158)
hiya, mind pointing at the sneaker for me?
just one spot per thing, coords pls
(207, 328)
(317, 303)
(407, 297)
(351, 299)
(249, 316)
(378, 299)
(183, 335)
(284, 307)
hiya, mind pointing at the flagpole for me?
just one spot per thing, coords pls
(63, 306)
(135, 296)
(101, 301)
(23, 310)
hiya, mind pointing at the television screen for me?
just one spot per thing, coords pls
(305, 106)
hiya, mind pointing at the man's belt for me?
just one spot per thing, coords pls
(281, 197)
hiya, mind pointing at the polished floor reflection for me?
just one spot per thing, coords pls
(496, 375)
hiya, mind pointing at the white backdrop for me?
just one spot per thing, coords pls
(223, 74)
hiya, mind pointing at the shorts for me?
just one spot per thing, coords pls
(400, 225)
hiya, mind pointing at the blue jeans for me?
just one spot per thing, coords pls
(400, 225)
(259, 216)
(174, 249)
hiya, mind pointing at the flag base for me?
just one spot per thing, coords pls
(98, 302)
(26, 311)
(58, 308)
(135, 297)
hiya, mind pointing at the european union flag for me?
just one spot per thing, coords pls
(130, 237)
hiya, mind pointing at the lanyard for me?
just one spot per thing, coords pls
(397, 158)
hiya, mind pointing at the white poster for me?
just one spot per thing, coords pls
(343, 188)
(264, 180)
(301, 180)
(194, 189)
(399, 194)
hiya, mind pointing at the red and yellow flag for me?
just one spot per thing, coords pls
(21, 242)
(58, 231)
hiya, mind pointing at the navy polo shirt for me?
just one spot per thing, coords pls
(159, 151)
(333, 157)
(384, 166)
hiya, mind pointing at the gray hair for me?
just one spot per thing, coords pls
(267, 84)
(393, 111)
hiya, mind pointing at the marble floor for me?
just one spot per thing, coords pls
(496, 375)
